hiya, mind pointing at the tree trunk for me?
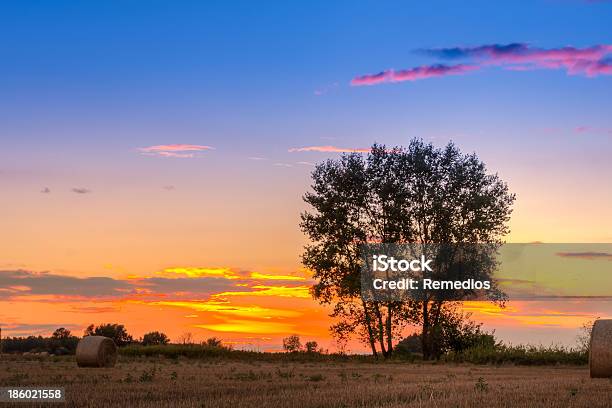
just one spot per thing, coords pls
(425, 340)
(389, 329)
(368, 323)
(381, 331)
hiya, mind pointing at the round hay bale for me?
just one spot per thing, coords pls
(96, 351)
(600, 351)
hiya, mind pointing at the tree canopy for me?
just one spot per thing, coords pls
(418, 194)
(117, 332)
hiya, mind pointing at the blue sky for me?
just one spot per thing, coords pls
(139, 70)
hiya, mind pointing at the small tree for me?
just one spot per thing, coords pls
(213, 342)
(584, 336)
(115, 331)
(186, 338)
(292, 343)
(311, 346)
(155, 338)
(61, 333)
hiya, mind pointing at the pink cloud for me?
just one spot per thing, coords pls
(174, 150)
(327, 149)
(413, 74)
(582, 129)
(588, 61)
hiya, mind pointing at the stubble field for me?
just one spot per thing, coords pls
(164, 382)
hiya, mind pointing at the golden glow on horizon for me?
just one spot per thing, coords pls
(248, 326)
(226, 308)
(268, 290)
(257, 275)
(200, 272)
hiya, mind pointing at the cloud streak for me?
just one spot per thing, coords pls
(412, 74)
(604, 256)
(327, 149)
(590, 61)
(174, 150)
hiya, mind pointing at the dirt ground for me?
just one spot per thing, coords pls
(196, 383)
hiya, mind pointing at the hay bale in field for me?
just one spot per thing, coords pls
(96, 351)
(600, 352)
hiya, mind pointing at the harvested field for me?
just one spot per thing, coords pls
(160, 382)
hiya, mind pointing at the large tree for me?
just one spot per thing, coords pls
(418, 194)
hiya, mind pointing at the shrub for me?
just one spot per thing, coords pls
(520, 355)
(311, 346)
(292, 343)
(117, 332)
(154, 338)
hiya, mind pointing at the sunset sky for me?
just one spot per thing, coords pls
(154, 154)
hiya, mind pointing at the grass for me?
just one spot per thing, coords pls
(182, 382)
(518, 355)
(196, 351)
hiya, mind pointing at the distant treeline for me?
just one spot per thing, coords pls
(473, 346)
(35, 344)
(62, 341)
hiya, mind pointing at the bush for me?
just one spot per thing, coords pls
(311, 346)
(520, 355)
(117, 332)
(213, 342)
(412, 344)
(155, 338)
(292, 343)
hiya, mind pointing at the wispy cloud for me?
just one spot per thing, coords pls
(325, 89)
(327, 149)
(174, 150)
(80, 190)
(591, 129)
(46, 190)
(413, 74)
(588, 61)
(604, 256)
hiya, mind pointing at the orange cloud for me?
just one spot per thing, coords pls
(226, 308)
(257, 275)
(265, 290)
(247, 326)
(200, 272)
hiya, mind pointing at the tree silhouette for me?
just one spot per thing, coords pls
(419, 194)
(311, 346)
(117, 332)
(61, 333)
(154, 338)
(292, 343)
